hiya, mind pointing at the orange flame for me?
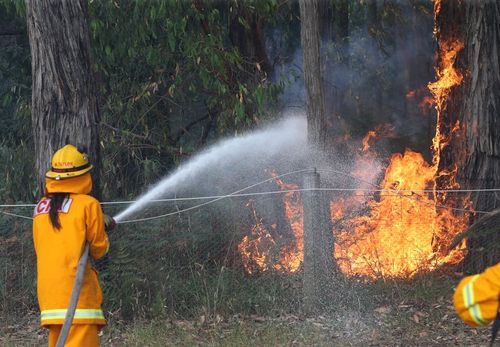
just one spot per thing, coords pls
(366, 139)
(437, 10)
(425, 104)
(256, 249)
(384, 130)
(421, 95)
(399, 218)
(447, 78)
(411, 94)
(396, 238)
(394, 233)
(291, 256)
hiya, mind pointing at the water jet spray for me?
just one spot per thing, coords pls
(253, 151)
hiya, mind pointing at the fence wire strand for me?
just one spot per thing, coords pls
(193, 265)
(215, 198)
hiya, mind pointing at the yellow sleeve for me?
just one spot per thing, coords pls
(96, 235)
(476, 297)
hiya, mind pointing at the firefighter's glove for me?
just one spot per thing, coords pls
(102, 263)
(109, 223)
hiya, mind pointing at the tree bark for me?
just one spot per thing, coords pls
(310, 38)
(64, 103)
(318, 254)
(481, 118)
(475, 148)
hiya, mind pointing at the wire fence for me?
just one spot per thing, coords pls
(242, 253)
(214, 198)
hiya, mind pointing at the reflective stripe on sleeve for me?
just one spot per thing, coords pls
(80, 313)
(474, 309)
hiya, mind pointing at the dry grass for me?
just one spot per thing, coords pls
(409, 313)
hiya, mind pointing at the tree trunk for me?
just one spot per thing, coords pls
(475, 149)
(339, 91)
(64, 103)
(316, 251)
(310, 38)
(481, 118)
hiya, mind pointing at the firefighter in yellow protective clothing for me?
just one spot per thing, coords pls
(476, 297)
(64, 219)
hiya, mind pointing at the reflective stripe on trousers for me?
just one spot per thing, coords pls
(474, 309)
(80, 313)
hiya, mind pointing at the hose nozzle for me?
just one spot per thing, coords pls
(109, 223)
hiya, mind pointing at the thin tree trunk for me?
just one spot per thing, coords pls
(64, 103)
(310, 38)
(318, 254)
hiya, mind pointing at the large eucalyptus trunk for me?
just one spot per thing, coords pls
(64, 103)
(475, 148)
(481, 117)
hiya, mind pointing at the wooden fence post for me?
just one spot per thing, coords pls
(318, 265)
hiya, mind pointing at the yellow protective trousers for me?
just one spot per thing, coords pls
(80, 335)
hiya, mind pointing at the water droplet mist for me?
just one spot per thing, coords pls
(231, 164)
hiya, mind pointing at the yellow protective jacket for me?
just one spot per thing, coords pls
(476, 297)
(58, 252)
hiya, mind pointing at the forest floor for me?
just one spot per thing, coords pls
(412, 315)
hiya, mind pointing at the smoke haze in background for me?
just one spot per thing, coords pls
(377, 75)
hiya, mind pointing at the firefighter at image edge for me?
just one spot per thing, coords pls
(476, 299)
(64, 220)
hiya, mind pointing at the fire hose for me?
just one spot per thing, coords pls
(77, 286)
(75, 294)
(494, 328)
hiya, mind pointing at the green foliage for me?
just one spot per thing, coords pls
(16, 153)
(15, 81)
(13, 7)
(169, 81)
(168, 75)
(18, 183)
(121, 280)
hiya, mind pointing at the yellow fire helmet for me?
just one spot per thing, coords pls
(68, 162)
